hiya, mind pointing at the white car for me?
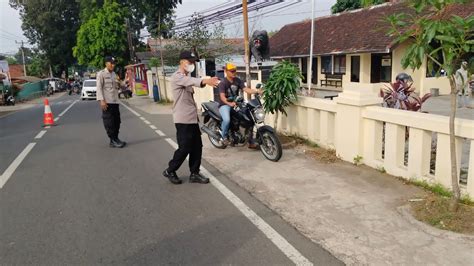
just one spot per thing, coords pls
(89, 89)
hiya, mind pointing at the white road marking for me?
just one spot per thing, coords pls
(160, 133)
(56, 119)
(67, 109)
(279, 241)
(153, 127)
(172, 143)
(147, 122)
(291, 252)
(142, 118)
(47, 127)
(14, 165)
(40, 134)
(131, 110)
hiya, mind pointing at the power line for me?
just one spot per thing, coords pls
(11, 34)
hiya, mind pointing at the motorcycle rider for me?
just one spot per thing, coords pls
(229, 89)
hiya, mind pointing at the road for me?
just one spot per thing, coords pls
(67, 198)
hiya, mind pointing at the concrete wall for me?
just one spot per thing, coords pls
(355, 125)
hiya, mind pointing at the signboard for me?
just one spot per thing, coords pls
(4, 69)
(386, 62)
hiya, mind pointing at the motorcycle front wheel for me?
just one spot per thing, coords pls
(214, 126)
(271, 146)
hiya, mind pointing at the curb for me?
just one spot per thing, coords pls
(405, 212)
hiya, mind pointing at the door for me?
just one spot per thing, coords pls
(314, 70)
(304, 69)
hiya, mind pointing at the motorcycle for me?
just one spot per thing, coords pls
(245, 118)
(10, 100)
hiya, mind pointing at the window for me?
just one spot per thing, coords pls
(326, 64)
(340, 64)
(90, 83)
(355, 68)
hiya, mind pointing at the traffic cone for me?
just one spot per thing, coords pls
(48, 115)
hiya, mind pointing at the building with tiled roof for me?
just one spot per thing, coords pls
(355, 48)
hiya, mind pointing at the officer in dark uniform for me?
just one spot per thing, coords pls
(185, 117)
(107, 95)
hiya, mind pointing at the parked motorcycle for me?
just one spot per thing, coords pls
(10, 100)
(246, 118)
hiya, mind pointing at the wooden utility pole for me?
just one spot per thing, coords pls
(129, 40)
(162, 61)
(246, 43)
(23, 55)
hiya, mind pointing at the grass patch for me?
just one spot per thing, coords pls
(440, 190)
(434, 210)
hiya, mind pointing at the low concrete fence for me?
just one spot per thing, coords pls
(411, 145)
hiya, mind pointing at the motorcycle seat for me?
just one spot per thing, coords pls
(213, 107)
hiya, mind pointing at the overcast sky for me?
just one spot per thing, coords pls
(10, 23)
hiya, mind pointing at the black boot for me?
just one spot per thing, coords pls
(121, 142)
(198, 178)
(172, 177)
(116, 144)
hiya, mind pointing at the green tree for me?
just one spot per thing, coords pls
(103, 34)
(444, 39)
(11, 60)
(38, 64)
(208, 42)
(281, 88)
(52, 26)
(347, 5)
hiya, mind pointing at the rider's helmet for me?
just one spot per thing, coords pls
(404, 77)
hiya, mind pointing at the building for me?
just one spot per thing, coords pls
(353, 49)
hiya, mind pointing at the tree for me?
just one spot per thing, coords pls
(52, 26)
(11, 60)
(347, 5)
(281, 88)
(38, 64)
(444, 39)
(208, 42)
(103, 34)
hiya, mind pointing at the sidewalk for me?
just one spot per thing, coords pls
(354, 212)
(28, 104)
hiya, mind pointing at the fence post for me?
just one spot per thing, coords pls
(349, 140)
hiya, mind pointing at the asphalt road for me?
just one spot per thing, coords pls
(74, 200)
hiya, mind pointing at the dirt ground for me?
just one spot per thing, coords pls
(434, 210)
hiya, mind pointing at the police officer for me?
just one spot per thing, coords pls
(107, 95)
(185, 117)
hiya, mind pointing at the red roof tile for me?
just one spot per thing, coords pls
(357, 31)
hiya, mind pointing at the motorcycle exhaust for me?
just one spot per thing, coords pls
(209, 132)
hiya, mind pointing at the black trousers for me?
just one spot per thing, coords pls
(189, 143)
(111, 118)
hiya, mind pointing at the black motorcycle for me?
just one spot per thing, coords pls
(247, 118)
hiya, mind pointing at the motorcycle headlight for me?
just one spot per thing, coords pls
(259, 115)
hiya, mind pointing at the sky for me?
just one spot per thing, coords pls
(10, 22)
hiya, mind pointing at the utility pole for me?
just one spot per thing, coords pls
(23, 55)
(161, 58)
(129, 39)
(311, 49)
(246, 43)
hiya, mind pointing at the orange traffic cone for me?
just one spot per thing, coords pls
(48, 115)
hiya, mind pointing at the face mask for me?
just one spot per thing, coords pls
(190, 68)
